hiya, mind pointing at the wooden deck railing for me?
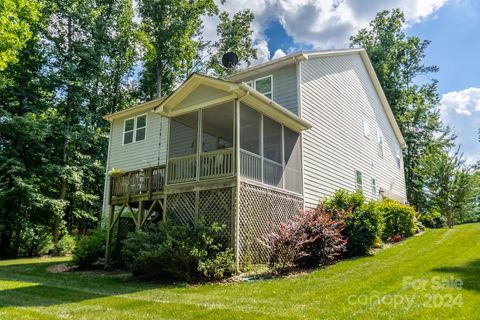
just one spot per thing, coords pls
(216, 164)
(272, 172)
(142, 181)
(250, 165)
(182, 169)
(213, 164)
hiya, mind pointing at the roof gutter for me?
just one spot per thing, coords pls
(252, 92)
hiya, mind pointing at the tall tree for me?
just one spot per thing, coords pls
(169, 28)
(25, 97)
(234, 35)
(449, 184)
(90, 54)
(398, 61)
(16, 18)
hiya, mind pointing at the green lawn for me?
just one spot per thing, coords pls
(378, 287)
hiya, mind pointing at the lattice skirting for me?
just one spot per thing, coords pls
(209, 206)
(261, 211)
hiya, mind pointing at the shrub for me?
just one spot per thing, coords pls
(377, 244)
(310, 239)
(35, 241)
(399, 219)
(433, 219)
(363, 221)
(90, 249)
(218, 267)
(343, 201)
(65, 245)
(362, 226)
(179, 252)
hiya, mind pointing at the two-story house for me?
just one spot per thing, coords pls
(250, 150)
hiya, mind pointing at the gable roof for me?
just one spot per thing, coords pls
(172, 105)
(301, 56)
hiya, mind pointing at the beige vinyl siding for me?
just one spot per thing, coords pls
(337, 97)
(140, 154)
(284, 86)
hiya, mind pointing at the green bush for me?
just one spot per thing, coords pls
(362, 227)
(90, 249)
(343, 201)
(65, 245)
(399, 219)
(218, 267)
(35, 241)
(363, 220)
(179, 252)
(433, 219)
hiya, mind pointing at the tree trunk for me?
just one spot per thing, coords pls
(63, 181)
(158, 80)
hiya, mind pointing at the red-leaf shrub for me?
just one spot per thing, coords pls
(310, 239)
(397, 238)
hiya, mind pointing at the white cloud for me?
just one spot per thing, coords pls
(461, 110)
(323, 24)
(278, 54)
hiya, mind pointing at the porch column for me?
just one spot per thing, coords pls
(236, 211)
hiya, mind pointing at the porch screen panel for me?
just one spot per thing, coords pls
(293, 161)
(217, 127)
(216, 159)
(182, 162)
(183, 135)
(272, 153)
(250, 155)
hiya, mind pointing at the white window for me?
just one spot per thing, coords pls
(366, 129)
(374, 187)
(399, 158)
(358, 180)
(380, 144)
(263, 85)
(135, 129)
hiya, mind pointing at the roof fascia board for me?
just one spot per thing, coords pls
(149, 105)
(383, 98)
(267, 66)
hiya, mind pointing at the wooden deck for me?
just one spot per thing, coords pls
(139, 185)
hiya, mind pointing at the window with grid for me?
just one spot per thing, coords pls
(134, 129)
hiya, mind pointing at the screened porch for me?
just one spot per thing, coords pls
(203, 146)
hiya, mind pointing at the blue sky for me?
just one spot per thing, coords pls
(453, 26)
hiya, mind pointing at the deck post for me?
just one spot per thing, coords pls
(150, 183)
(141, 215)
(236, 199)
(108, 245)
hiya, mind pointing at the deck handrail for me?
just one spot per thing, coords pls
(146, 180)
(250, 165)
(182, 168)
(216, 163)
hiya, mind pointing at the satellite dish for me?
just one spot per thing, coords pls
(229, 60)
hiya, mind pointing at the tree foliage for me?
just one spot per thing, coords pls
(16, 18)
(169, 29)
(234, 35)
(450, 185)
(71, 72)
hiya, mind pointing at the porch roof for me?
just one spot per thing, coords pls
(174, 104)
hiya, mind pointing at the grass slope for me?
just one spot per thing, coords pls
(350, 289)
